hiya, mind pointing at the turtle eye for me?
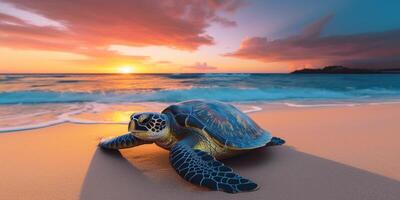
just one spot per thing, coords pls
(143, 119)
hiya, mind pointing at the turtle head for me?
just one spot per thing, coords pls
(148, 126)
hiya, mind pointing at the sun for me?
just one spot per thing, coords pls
(126, 69)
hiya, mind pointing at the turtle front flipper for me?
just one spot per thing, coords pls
(121, 142)
(200, 168)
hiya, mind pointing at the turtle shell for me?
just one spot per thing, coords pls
(223, 122)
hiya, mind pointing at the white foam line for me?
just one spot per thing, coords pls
(25, 115)
(383, 103)
(30, 127)
(53, 123)
(340, 104)
(79, 121)
(253, 109)
(318, 105)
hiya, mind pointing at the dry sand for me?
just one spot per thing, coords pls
(331, 153)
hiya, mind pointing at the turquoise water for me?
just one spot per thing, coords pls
(38, 89)
(36, 101)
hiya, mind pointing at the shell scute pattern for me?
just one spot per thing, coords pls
(226, 124)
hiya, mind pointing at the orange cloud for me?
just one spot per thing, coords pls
(92, 25)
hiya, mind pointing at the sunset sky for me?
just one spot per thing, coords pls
(151, 36)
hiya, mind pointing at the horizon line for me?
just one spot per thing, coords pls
(105, 73)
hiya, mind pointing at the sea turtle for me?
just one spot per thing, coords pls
(198, 133)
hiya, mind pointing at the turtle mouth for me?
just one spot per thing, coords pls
(129, 126)
(136, 131)
(144, 135)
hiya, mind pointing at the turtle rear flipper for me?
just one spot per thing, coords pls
(200, 168)
(275, 141)
(121, 142)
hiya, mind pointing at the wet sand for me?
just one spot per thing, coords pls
(331, 153)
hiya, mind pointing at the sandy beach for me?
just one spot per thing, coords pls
(331, 153)
(324, 76)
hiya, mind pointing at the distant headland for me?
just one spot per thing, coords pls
(344, 70)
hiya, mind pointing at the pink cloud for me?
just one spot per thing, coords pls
(7, 19)
(227, 5)
(163, 62)
(201, 67)
(92, 25)
(310, 48)
(224, 22)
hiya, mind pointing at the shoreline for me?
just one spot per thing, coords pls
(73, 117)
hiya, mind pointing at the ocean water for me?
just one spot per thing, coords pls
(35, 101)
